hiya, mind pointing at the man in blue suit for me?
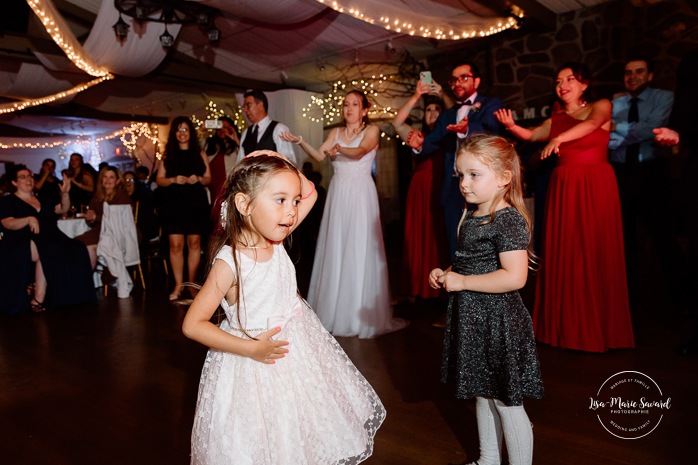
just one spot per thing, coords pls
(472, 114)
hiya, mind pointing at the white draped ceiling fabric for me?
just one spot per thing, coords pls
(101, 55)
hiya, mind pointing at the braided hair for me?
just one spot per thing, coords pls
(249, 177)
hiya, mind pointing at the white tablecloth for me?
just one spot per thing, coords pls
(73, 227)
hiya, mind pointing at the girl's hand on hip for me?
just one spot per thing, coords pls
(267, 350)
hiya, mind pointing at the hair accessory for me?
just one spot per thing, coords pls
(224, 213)
(312, 189)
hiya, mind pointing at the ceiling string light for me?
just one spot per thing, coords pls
(64, 38)
(442, 31)
(18, 106)
(54, 24)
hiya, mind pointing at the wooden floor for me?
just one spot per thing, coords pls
(116, 383)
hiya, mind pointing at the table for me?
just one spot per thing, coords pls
(73, 227)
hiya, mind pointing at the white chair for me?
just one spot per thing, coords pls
(118, 245)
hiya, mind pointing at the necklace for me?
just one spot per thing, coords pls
(354, 132)
(255, 247)
(583, 104)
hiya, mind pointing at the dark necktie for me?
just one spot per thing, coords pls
(632, 151)
(250, 143)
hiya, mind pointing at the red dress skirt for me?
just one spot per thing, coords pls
(424, 231)
(581, 293)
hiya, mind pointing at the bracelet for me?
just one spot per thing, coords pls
(299, 140)
(312, 185)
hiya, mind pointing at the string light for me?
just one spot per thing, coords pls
(67, 42)
(17, 106)
(80, 139)
(440, 32)
(130, 136)
(328, 109)
(213, 112)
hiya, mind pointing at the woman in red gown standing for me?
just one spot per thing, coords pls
(581, 294)
(424, 236)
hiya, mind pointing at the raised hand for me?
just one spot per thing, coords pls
(460, 127)
(288, 137)
(666, 136)
(415, 139)
(553, 147)
(65, 185)
(505, 117)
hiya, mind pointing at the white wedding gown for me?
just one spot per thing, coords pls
(312, 407)
(349, 287)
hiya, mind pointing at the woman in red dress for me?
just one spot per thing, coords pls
(424, 235)
(581, 294)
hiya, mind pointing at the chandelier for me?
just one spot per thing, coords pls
(166, 12)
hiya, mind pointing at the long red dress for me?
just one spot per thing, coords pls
(424, 234)
(582, 294)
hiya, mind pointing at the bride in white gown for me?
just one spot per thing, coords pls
(349, 287)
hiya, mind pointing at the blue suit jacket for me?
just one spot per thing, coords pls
(439, 139)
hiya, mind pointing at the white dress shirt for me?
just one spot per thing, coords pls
(283, 147)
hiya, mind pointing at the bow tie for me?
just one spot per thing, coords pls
(460, 104)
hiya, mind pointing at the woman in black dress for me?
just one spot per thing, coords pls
(34, 251)
(184, 209)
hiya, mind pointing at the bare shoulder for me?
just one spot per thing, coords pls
(602, 105)
(372, 129)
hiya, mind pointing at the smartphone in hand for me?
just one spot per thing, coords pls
(425, 77)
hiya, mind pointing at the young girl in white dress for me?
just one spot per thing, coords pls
(276, 388)
(349, 286)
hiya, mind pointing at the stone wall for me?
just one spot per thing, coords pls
(519, 66)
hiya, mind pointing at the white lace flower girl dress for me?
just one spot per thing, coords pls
(312, 407)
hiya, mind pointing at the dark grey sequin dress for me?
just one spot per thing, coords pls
(489, 350)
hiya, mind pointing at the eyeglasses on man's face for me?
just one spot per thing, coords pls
(462, 79)
(21, 177)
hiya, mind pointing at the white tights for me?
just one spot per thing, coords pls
(494, 417)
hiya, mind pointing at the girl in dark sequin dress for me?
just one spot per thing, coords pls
(489, 350)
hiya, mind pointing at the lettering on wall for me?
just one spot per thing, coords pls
(531, 113)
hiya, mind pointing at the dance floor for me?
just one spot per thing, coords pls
(115, 383)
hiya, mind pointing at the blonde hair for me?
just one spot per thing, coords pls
(100, 192)
(499, 155)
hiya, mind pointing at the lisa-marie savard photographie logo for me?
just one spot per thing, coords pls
(630, 405)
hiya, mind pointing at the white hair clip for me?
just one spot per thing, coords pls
(224, 213)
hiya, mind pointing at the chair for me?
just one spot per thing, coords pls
(151, 248)
(118, 245)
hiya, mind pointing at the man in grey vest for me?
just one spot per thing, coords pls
(262, 133)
